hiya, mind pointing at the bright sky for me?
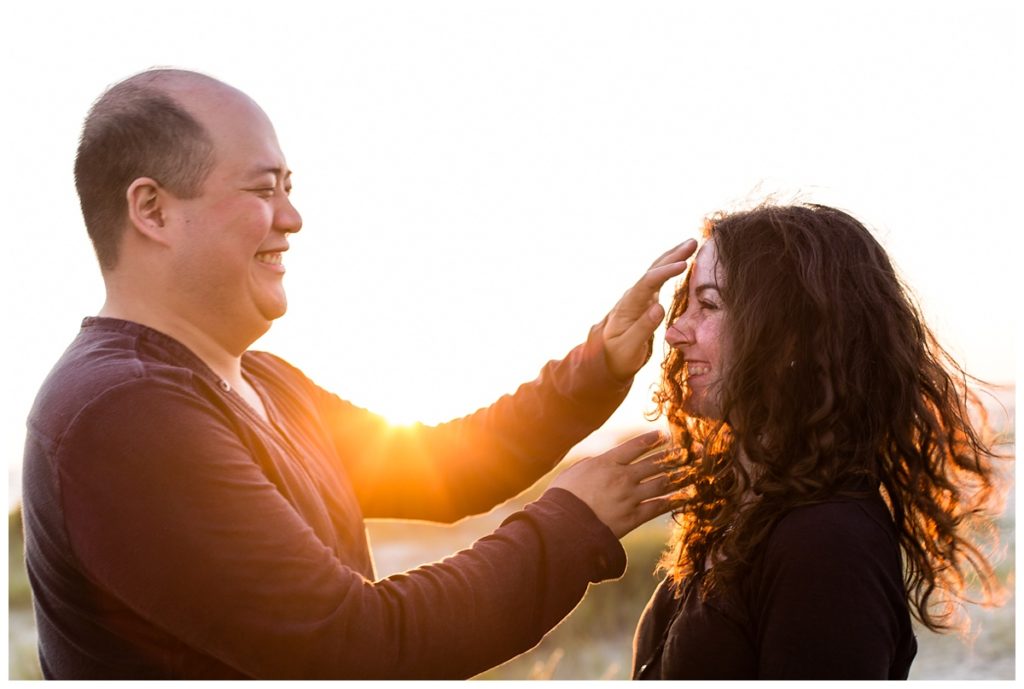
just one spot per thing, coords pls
(480, 180)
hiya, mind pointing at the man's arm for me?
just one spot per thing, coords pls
(168, 514)
(469, 465)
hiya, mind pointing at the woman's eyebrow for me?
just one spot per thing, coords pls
(706, 286)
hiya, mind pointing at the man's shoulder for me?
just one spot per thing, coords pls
(97, 362)
(256, 360)
(272, 369)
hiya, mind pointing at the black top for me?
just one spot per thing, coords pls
(172, 533)
(823, 600)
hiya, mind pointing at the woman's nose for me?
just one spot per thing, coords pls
(675, 334)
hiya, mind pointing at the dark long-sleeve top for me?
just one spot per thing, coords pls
(173, 533)
(824, 599)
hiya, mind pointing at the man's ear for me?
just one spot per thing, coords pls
(146, 208)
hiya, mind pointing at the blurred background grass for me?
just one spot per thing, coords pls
(595, 640)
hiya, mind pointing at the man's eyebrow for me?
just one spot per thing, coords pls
(275, 170)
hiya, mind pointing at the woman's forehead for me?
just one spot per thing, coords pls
(705, 264)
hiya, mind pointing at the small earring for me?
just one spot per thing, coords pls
(792, 363)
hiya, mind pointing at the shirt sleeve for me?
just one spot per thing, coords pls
(168, 514)
(829, 599)
(469, 465)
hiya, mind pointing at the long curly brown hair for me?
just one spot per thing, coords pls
(834, 382)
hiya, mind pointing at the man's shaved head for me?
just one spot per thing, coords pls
(138, 128)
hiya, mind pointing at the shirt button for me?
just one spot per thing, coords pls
(225, 386)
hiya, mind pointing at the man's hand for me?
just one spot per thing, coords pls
(625, 486)
(632, 322)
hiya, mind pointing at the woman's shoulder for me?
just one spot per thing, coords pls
(844, 528)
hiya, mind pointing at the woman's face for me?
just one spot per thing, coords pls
(697, 336)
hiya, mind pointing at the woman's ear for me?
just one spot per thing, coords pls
(146, 212)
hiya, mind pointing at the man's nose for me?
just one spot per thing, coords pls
(287, 218)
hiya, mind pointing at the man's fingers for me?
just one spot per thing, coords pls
(641, 295)
(629, 451)
(677, 253)
(655, 278)
(636, 338)
(649, 509)
(639, 299)
(646, 288)
(658, 486)
(648, 464)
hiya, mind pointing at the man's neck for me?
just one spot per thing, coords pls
(224, 359)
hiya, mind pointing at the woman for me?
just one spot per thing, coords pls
(828, 471)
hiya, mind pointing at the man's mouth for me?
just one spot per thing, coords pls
(271, 258)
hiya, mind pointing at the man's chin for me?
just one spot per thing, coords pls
(273, 309)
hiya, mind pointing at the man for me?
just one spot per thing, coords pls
(195, 510)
